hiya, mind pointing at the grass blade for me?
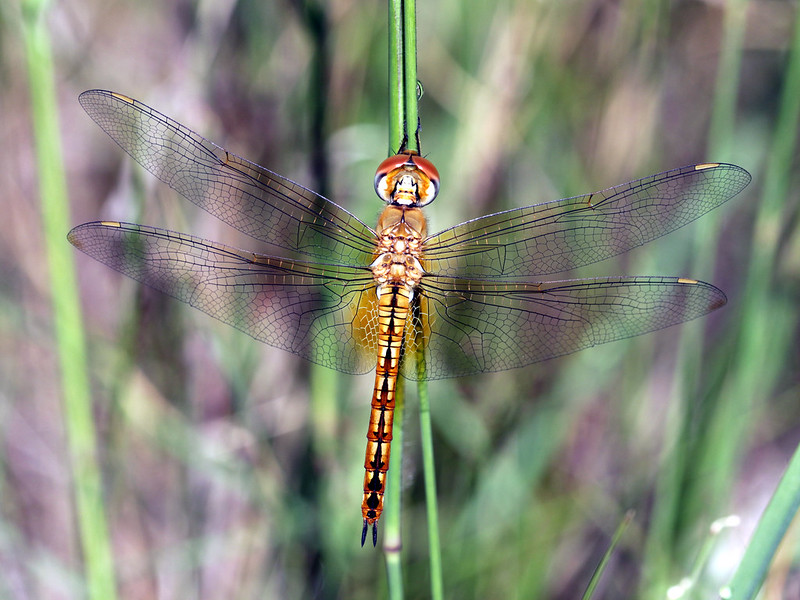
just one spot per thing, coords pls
(70, 342)
(769, 532)
(601, 568)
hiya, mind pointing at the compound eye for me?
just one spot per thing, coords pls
(407, 179)
(384, 184)
(428, 186)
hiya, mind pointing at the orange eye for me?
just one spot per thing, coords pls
(425, 175)
(390, 164)
(429, 182)
(384, 186)
(427, 167)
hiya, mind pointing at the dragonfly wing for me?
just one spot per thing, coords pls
(244, 195)
(324, 313)
(470, 326)
(569, 233)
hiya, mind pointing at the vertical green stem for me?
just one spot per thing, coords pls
(429, 473)
(393, 541)
(769, 533)
(410, 75)
(403, 114)
(426, 435)
(403, 127)
(67, 319)
(397, 105)
(601, 568)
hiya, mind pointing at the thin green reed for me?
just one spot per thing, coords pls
(397, 105)
(392, 540)
(403, 124)
(769, 534)
(67, 320)
(591, 588)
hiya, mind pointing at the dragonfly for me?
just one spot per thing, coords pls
(394, 298)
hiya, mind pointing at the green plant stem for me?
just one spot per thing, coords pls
(601, 568)
(70, 342)
(426, 436)
(769, 532)
(410, 74)
(403, 130)
(406, 32)
(397, 106)
(393, 540)
(429, 473)
(403, 113)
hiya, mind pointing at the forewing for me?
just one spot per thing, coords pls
(565, 234)
(324, 313)
(244, 195)
(481, 326)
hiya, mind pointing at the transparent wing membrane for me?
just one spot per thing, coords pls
(313, 310)
(244, 195)
(475, 326)
(468, 319)
(558, 236)
(326, 313)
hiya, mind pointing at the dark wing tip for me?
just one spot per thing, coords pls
(74, 236)
(716, 297)
(718, 301)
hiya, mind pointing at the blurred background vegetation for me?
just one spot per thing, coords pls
(233, 470)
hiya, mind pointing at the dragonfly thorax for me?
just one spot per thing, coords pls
(397, 255)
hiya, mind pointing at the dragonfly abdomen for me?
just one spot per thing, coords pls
(393, 308)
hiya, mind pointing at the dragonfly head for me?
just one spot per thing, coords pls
(407, 179)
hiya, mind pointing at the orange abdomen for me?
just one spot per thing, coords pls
(393, 306)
